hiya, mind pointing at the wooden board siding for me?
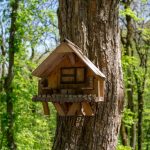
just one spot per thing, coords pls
(59, 109)
(53, 80)
(54, 77)
(46, 108)
(100, 89)
(86, 109)
(73, 109)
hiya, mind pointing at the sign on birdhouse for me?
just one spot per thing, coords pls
(70, 81)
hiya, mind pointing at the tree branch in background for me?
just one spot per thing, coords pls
(9, 78)
(135, 50)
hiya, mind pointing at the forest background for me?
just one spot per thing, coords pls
(30, 28)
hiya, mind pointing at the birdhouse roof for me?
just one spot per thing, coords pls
(58, 54)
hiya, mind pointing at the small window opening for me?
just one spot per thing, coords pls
(73, 75)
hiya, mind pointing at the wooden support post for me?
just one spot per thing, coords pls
(59, 109)
(79, 111)
(65, 107)
(100, 90)
(46, 108)
(86, 109)
(73, 109)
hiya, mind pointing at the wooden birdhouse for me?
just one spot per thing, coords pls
(70, 81)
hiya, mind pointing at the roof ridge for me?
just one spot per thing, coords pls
(41, 69)
(76, 46)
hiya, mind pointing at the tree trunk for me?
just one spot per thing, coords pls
(9, 78)
(128, 45)
(140, 119)
(93, 26)
(124, 135)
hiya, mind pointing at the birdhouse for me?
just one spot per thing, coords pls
(70, 81)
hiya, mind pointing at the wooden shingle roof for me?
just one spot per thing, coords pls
(58, 54)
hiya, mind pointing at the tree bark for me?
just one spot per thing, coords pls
(124, 135)
(9, 78)
(93, 26)
(128, 45)
(140, 120)
(140, 83)
(3, 54)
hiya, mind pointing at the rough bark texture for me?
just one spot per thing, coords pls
(133, 36)
(93, 26)
(124, 135)
(140, 83)
(9, 78)
(140, 120)
(129, 52)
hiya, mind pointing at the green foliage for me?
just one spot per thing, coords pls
(131, 13)
(135, 38)
(121, 147)
(36, 22)
(32, 130)
(35, 27)
(145, 33)
(128, 117)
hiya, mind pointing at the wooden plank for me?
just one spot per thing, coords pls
(53, 81)
(79, 111)
(67, 71)
(65, 107)
(100, 88)
(73, 109)
(63, 48)
(59, 109)
(90, 83)
(86, 109)
(49, 68)
(91, 66)
(55, 75)
(80, 77)
(67, 79)
(46, 108)
(102, 83)
(45, 65)
(72, 58)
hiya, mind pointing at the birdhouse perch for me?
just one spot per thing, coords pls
(70, 81)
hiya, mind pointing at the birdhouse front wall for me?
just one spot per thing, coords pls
(72, 76)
